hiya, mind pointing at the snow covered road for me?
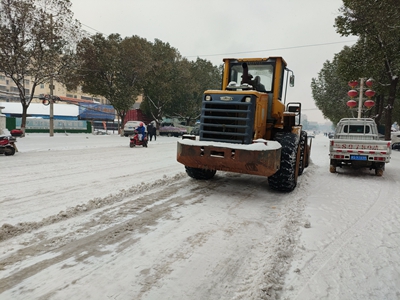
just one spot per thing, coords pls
(87, 217)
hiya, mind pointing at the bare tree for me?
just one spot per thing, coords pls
(35, 37)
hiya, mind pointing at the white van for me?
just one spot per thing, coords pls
(396, 140)
(130, 127)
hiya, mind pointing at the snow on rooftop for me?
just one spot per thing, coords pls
(40, 109)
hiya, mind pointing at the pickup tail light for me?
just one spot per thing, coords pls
(379, 158)
(338, 156)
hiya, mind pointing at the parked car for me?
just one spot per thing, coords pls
(195, 130)
(130, 126)
(396, 140)
(172, 131)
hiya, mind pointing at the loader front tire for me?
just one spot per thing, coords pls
(200, 174)
(285, 179)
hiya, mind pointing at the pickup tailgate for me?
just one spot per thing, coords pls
(371, 150)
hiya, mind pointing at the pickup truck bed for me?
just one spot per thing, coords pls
(356, 144)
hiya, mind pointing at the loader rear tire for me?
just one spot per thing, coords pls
(303, 152)
(308, 147)
(200, 174)
(285, 180)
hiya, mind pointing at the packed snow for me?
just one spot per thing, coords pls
(87, 217)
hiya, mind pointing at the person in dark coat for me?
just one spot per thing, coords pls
(151, 129)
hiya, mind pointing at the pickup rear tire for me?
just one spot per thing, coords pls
(332, 166)
(200, 174)
(285, 180)
(379, 169)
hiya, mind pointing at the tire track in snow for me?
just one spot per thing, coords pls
(122, 220)
(322, 258)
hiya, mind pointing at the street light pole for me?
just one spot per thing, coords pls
(360, 99)
(353, 93)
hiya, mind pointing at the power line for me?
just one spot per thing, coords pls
(284, 48)
(254, 51)
(92, 28)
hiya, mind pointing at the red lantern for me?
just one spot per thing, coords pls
(369, 82)
(353, 83)
(351, 103)
(369, 103)
(369, 93)
(352, 93)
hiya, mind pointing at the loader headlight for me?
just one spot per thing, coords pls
(207, 98)
(247, 99)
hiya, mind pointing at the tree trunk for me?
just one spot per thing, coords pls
(389, 108)
(379, 108)
(24, 115)
(122, 115)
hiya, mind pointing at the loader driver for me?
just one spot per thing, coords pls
(258, 85)
(246, 77)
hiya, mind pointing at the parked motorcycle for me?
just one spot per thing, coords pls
(134, 140)
(7, 145)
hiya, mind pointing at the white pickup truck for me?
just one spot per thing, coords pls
(356, 144)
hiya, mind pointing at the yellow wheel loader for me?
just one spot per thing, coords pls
(246, 127)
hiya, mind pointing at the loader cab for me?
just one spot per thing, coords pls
(263, 75)
(249, 106)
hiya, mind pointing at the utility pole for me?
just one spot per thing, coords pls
(353, 93)
(360, 99)
(51, 123)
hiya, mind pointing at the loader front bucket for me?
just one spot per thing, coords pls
(260, 158)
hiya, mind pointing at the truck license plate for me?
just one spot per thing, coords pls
(358, 157)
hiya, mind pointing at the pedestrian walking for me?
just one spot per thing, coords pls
(152, 131)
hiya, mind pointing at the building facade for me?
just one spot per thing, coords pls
(10, 93)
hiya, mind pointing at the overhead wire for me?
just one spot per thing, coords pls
(273, 49)
(254, 51)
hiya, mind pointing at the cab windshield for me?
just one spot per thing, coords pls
(260, 76)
